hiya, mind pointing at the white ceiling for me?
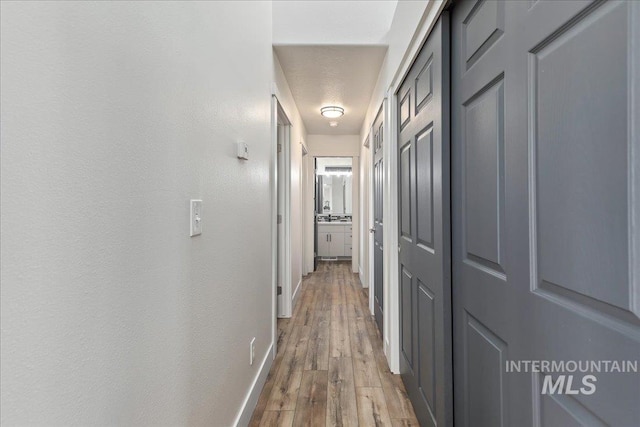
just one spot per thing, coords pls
(331, 75)
(331, 22)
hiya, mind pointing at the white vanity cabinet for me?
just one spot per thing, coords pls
(334, 240)
(324, 246)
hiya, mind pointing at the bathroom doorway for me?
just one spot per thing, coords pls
(333, 208)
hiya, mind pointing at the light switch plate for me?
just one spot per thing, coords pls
(196, 217)
(243, 151)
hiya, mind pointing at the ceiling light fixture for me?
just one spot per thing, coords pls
(332, 111)
(333, 124)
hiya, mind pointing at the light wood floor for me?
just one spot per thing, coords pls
(330, 369)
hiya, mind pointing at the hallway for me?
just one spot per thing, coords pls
(330, 368)
(324, 213)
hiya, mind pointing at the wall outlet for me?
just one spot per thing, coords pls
(252, 350)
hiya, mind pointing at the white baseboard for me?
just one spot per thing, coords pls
(250, 402)
(296, 294)
(361, 277)
(387, 352)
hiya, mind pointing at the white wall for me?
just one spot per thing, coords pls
(114, 115)
(334, 145)
(298, 137)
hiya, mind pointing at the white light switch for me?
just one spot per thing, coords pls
(196, 217)
(243, 151)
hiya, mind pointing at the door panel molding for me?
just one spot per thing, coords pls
(424, 231)
(544, 198)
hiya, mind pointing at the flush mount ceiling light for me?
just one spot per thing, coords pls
(332, 111)
(333, 124)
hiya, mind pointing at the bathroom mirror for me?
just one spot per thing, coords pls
(334, 181)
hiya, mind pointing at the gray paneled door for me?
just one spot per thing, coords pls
(424, 231)
(378, 181)
(545, 191)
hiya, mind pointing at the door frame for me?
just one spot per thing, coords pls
(355, 201)
(279, 116)
(303, 218)
(391, 286)
(370, 223)
(285, 174)
(273, 175)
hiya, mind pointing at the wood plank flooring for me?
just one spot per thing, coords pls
(330, 369)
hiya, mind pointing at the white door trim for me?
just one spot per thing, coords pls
(273, 177)
(370, 225)
(391, 300)
(309, 212)
(355, 213)
(278, 115)
(287, 286)
(303, 218)
(286, 310)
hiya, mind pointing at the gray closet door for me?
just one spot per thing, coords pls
(378, 181)
(545, 191)
(424, 231)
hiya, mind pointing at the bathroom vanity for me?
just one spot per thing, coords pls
(334, 239)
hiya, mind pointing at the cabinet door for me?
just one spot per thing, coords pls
(336, 241)
(323, 244)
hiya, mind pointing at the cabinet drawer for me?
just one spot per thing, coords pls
(330, 228)
(347, 250)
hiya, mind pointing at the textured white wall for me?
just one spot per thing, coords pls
(334, 145)
(114, 115)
